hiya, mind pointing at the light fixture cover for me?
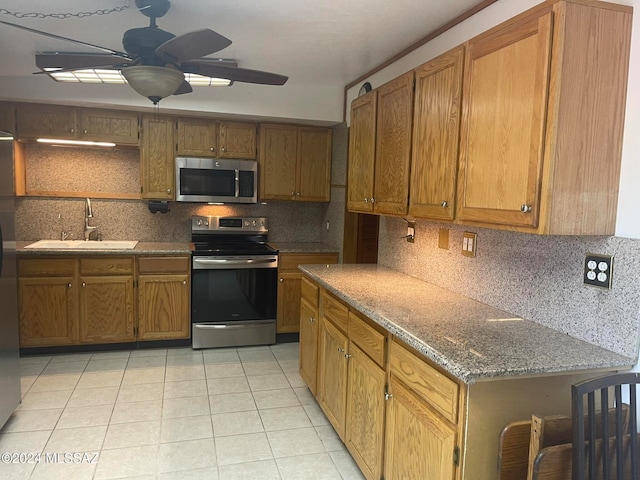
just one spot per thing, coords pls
(155, 83)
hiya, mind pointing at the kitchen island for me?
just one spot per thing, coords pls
(453, 372)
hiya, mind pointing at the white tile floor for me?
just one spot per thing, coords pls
(217, 414)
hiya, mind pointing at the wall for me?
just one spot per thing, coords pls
(539, 278)
(72, 169)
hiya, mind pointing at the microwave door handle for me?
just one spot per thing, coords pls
(237, 183)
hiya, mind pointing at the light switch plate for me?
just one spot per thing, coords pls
(469, 241)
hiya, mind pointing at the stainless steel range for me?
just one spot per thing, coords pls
(234, 282)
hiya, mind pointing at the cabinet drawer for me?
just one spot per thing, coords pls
(367, 338)
(290, 261)
(438, 390)
(46, 267)
(106, 266)
(163, 264)
(309, 291)
(334, 310)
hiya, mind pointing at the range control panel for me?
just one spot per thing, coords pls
(242, 225)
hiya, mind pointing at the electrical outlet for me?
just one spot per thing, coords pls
(598, 270)
(469, 244)
(411, 232)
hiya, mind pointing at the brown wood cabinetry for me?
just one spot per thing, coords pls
(379, 172)
(295, 163)
(164, 298)
(7, 117)
(77, 123)
(197, 137)
(157, 158)
(436, 128)
(106, 300)
(537, 126)
(237, 140)
(47, 302)
(89, 299)
(289, 278)
(309, 321)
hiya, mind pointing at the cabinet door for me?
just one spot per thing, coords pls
(288, 316)
(362, 148)
(157, 158)
(309, 344)
(503, 124)
(106, 309)
(7, 117)
(333, 375)
(237, 140)
(109, 126)
(47, 311)
(46, 121)
(278, 153)
(365, 413)
(419, 444)
(436, 128)
(198, 138)
(313, 175)
(163, 307)
(393, 146)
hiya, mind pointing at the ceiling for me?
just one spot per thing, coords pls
(328, 43)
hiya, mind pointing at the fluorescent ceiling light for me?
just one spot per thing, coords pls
(83, 143)
(97, 75)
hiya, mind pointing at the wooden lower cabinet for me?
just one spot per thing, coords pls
(47, 311)
(308, 343)
(89, 299)
(106, 309)
(289, 278)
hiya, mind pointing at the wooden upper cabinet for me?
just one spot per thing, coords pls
(436, 128)
(7, 117)
(157, 158)
(362, 148)
(237, 140)
(295, 163)
(542, 122)
(278, 158)
(108, 126)
(393, 146)
(77, 123)
(197, 137)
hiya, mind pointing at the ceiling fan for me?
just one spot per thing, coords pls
(154, 61)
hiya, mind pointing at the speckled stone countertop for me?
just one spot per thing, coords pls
(471, 340)
(303, 247)
(141, 248)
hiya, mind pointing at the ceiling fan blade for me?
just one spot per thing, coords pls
(58, 37)
(235, 74)
(78, 61)
(184, 88)
(196, 44)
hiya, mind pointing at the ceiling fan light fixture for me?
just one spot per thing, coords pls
(152, 82)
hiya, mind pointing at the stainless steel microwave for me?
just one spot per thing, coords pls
(215, 180)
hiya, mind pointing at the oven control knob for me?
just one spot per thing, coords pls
(199, 223)
(253, 223)
(206, 223)
(246, 223)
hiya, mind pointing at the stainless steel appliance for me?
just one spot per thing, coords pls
(9, 343)
(214, 180)
(234, 282)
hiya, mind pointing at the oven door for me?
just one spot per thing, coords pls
(233, 300)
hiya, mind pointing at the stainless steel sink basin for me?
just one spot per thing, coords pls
(82, 245)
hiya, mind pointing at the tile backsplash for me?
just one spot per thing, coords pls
(535, 277)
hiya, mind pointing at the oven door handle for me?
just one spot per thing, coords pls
(221, 261)
(227, 326)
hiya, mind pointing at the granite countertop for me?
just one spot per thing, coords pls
(141, 248)
(471, 340)
(303, 247)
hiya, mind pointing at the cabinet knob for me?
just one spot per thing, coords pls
(84, 284)
(373, 200)
(387, 396)
(211, 149)
(347, 356)
(85, 131)
(168, 190)
(366, 200)
(68, 285)
(340, 350)
(444, 204)
(72, 130)
(311, 319)
(298, 194)
(525, 208)
(223, 149)
(281, 280)
(184, 282)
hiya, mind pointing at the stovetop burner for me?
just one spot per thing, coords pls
(212, 235)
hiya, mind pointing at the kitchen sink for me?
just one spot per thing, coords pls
(82, 245)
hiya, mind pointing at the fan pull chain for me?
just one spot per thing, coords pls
(62, 16)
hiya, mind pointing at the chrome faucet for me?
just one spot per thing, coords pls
(88, 213)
